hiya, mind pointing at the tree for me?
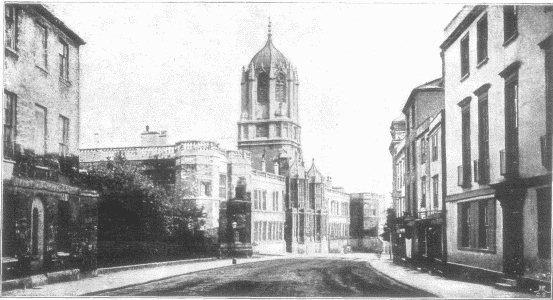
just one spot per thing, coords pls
(389, 226)
(132, 208)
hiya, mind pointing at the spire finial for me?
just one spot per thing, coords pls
(269, 27)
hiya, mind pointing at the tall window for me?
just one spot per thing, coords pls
(423, 151)
(482, 38)
(482, 224)
(465, 58)
(465, 119)
(435, 191)
(414, 154)
(435, 146)
(43, 48)
(465, 224)
(280, 88)
(64, 60)
(511, 124)
(10, 104)
(40, 132)
(510, 22)
(423, 191)
(278, 130)
(223, 186)
(483, 138)
(63, 129)
(264, 200)
(263, 96)
(11, 34)
(413, 115)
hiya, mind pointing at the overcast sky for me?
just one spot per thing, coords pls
(177, 67)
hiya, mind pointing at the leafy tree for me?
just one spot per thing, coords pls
(133, 208)
(389, 226)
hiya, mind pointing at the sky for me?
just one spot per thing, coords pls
(177, 67)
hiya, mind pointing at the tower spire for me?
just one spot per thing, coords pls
(269, 34)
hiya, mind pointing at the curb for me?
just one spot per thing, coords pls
(75, 274)
(151, 265)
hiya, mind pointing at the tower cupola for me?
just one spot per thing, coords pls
(269, 119)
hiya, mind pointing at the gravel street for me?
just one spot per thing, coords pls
(292, 277)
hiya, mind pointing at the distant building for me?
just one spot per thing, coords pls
(366, 220)
(397, 150)
(498, 99)
(44, 215)
(423, 209)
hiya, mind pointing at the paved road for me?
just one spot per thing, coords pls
(293, 277)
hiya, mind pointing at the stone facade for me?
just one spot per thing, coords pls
(498, 106)
(419, 234)
(46, 219)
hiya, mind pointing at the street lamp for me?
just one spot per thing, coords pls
(234, 242)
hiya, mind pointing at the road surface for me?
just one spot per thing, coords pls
(293, 277)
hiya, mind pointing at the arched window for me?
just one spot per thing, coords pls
(263, 88)
(262, 110)
(281, 88)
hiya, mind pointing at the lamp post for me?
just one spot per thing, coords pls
(234, 242)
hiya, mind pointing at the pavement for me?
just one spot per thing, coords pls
(432, 284)
(439, 285)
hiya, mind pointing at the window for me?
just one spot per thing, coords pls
(423, 151)
(255, 199)
(223, 186)
(43, 48)
(544, 222)
(64, 61)
(511, 124)
(413, 154)
(281, 88)
(483, 138)
(482, 39)
(477, 225)
(262, 131)
(264, 200)
(205, 188)
(10, 108)
(465, 119)
(63, 129)
(423, 191)
(465, 224)
(11, 34)
(435, 147)
(465, 59)
(278, 130)
(246, 132)
(40, 132)
(413, 116)
(510, 22)
(435, 191)
(482, 224)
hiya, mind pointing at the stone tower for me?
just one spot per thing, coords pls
(269, 122)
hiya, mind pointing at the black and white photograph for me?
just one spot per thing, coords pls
(277, 150)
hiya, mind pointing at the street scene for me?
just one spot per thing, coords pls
(263, 150)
